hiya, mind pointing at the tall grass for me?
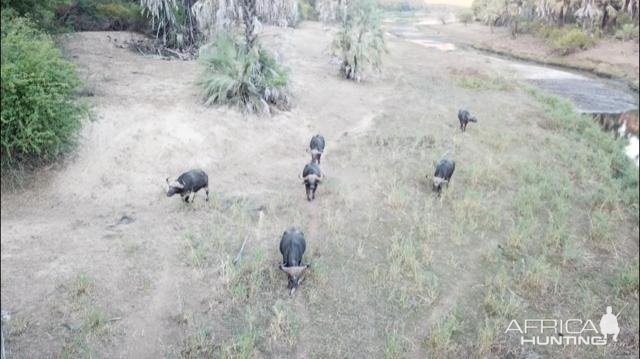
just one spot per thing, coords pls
(570, 213)
(248, 78)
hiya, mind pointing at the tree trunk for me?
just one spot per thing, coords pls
(248, 16)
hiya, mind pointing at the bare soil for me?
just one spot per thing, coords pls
(97, 234)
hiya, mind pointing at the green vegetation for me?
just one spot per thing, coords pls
(490, 12)
(242, 73)
(100, 15)
(628, 32)
(548, 238)
(627, 281)
(360, 41)
(40, 116)
(56, 15)
(441, 337)
(284, 327)
(88, 324)
(184, 25)
(307, 10)
(250, 79)
(481, 82)
(394, 346)
(595, 19)
(40, 12)
(566, 40)
(401, 5)
(198, 345)
(173, 22)
(465, 16)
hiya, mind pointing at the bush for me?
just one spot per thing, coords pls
(250, 79)
(627, 32)
(307, 11)
(490, 12)
(402, 5)
(360, 41)
(566, 40)
(100, 15)
(40, 12)
(39, 115)
(465, 16)
(529, 27)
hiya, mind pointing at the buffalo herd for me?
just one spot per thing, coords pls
(292, 243)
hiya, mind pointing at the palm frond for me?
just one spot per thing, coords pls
(360, 40)
(248, 78)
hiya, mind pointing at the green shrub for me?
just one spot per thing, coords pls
(250, 79)
(402, 5)
(627, 32)
(465, 16)
(39, 114)
(100, 15)
(360, 41)
(529, 27)
(490, 12)
(40, 12)
(566, 40)
(307, 11)
(624, 18)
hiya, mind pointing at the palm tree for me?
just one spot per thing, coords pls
(631, 7)
(360, 41)
(588, 13)
(184, 23)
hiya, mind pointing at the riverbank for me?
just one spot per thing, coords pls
(609, 58)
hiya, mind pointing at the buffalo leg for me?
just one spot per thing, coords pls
(206, 190)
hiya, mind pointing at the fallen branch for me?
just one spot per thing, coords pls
(4, 319)
(156, 48)
(2, 338)
(237, 258)
(178, 54)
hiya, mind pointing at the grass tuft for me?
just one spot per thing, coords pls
(441, 337)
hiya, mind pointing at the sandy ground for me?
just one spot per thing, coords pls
(97, 234)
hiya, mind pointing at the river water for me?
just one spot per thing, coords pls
(589, 94)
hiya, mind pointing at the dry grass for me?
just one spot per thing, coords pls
(532, 225)
(441, 338)
(88, 325)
